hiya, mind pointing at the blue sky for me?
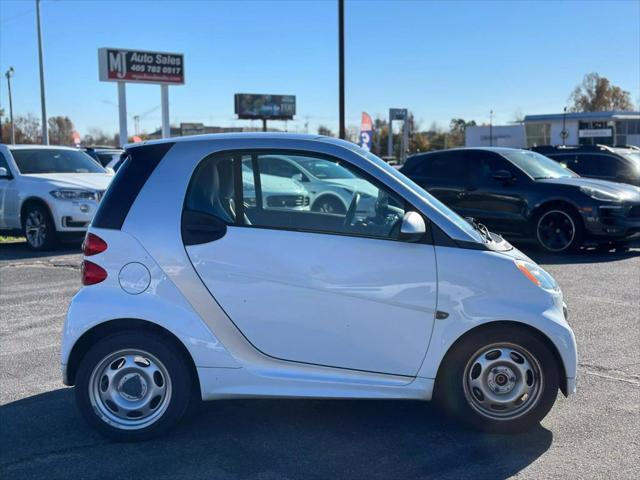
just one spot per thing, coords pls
(440, 59)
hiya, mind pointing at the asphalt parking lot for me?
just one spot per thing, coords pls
(594, 434)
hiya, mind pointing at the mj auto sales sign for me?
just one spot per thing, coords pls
(117, 65)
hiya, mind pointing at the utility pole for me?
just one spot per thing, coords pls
(45, 133)
(564, 126)
(491, 128)
(342, 131)
(9, 74)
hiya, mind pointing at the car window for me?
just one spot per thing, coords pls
(445, 167)
(50, 160)
(419, 165)
(352, 205)
(604, 165)
(480, 166)
(278, 167)
(212, 189)
(3, 162)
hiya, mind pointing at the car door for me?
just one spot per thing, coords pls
(340, 290)
(9, 202)
(441, 174)
(500, 204)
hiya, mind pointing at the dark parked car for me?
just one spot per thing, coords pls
(108, 157)
(519, 193)
(598, 161)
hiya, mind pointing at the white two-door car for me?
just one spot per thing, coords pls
(191, 292)
(48, 192)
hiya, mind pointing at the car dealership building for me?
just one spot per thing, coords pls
(614, 128)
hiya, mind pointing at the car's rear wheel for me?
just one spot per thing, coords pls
(559, 230)
(501, 380)
(38, 227)
(133, 386)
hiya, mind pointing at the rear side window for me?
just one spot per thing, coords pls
(128, 182)
(447, 167)
(212, 190)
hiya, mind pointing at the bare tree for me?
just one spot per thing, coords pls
(597, 94)
(27, 129)
(324, 130)
(60, 131)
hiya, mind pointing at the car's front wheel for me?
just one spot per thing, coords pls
(502, 379)
(133, 386)
(559, 230)
(38, 227)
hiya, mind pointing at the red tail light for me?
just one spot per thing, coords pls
(92, 273)
(93, 245)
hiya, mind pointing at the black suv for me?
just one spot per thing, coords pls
(618, 164)
(520, 193)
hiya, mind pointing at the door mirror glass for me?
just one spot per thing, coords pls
(503, 175)
(413, 227)
(4, 173)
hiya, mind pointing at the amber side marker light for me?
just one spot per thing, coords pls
(523, 268)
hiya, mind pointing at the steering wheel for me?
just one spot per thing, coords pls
(351, 211)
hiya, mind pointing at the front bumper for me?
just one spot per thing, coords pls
(73, 215)
(612, 222)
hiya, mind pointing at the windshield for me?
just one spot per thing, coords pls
(434, 202)
(536, 165)
(53, 160)
(634, 157)
(323, 169)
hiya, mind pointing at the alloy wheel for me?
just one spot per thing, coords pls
(556, 230)
(35, 227)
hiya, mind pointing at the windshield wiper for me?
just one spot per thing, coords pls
(480, 228)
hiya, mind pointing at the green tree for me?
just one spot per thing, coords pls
(597, 94)
(457, 128)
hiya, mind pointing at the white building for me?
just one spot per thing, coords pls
(495, 136)
(613, 128)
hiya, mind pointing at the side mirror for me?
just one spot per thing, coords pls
(4, 173)
(503, 175)
(413, 227)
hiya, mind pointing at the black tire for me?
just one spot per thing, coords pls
(180, 379)
(450, 390)
(328, 204)
(569, 218)
(38, 216)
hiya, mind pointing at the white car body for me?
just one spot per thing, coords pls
(17, 189)
(338, 189)
(282, 313)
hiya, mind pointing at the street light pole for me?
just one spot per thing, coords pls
(9, 74)
(342, 131)
(45, 133)
(564, 126)
(491, 128)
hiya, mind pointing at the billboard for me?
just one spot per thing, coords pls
(262, 106)
(118, 65)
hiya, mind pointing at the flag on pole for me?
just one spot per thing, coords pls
(366, 132)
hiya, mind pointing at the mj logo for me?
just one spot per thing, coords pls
(118, 63)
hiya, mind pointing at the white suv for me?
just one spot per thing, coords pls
(47, 192)
(195, 289)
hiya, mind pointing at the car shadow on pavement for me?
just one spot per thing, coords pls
(20, 251)
(44, 436)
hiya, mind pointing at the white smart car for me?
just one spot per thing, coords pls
(193, 293)
(47, 192)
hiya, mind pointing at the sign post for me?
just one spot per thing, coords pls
(398, 114)
(141, 66)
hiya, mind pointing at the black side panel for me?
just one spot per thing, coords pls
(127, 183)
